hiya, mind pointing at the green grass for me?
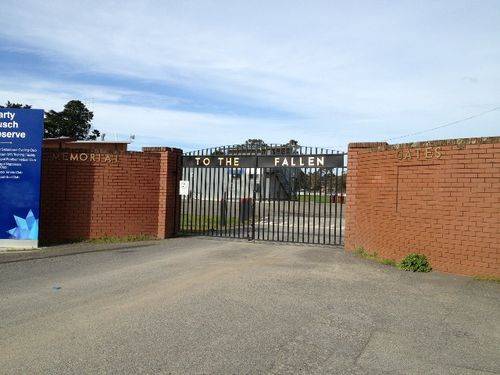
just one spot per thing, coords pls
(412, 262)
(388, 262)
(415, 262)
(316, 199)
(360, 252)
(198, 223)
(101, 240)
(112, 239)
(494, 279)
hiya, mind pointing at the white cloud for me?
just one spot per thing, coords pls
(368, 70)
(174, 126)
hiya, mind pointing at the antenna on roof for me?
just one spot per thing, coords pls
(103, 136)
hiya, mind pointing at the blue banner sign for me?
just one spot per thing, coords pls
(21, 134)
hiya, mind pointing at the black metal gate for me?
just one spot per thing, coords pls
(257, 191)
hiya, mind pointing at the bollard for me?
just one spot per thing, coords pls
(246, 207)
(223, 212)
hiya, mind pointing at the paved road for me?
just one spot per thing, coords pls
(217, 306)
(284, 230)
(283, 208)
(305, 222)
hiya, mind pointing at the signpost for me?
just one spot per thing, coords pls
(21, 133)
(184, 187)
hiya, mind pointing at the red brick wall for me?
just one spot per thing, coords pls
(130, 193)
(171, 173)
(439, 198)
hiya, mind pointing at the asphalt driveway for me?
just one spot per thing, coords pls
(194, 305)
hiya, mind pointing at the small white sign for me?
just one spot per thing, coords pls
(183, 187)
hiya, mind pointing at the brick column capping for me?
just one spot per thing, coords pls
(440, 198)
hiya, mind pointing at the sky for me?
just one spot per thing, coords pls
(196, 74)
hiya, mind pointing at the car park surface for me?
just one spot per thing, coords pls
(204, 305)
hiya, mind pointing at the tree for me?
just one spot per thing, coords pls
(74, 121)
(255, 142)
(93, 135)
(15, 105)
(251, 145)
(293, 146)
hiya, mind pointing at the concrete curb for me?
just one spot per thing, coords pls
(70, 249)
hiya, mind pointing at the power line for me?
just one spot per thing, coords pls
(444, 125)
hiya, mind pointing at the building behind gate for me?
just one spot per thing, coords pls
(265, 192)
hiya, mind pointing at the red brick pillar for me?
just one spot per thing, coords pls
(354, 185)
(169, 201)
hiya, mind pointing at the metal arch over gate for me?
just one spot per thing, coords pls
(286, 193)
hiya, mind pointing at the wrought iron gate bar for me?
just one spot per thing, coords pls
(283, 193)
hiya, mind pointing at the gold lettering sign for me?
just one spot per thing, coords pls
(426, 153)
(220, 161)
(264, 161)
(86, 157)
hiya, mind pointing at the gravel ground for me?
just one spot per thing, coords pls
(197, 305)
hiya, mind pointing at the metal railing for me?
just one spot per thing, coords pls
(292, 204)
